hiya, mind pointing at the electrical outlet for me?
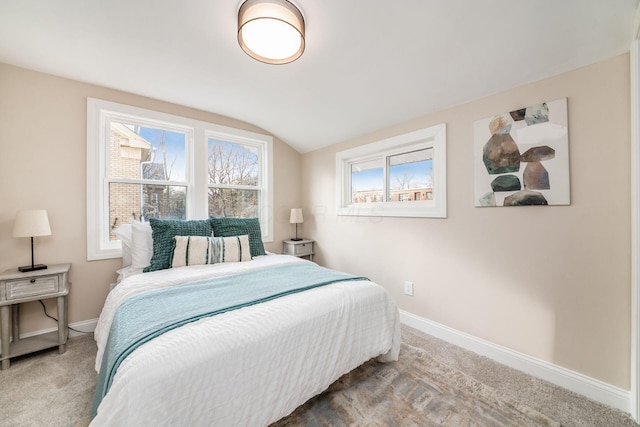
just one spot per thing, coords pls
(408, 288)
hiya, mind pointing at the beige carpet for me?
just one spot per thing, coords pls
(50, 389)
(416, 391)
(433, 384)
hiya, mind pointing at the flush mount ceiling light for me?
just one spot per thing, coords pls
(271, 31)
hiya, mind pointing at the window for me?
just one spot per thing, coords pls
(400, 176)
(367, 181)
(146, 172)
(144, 164)
(409, 171)
(234, 178)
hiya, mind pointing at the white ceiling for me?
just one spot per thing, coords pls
(368, 64)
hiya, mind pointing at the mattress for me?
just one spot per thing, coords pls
(247, 367)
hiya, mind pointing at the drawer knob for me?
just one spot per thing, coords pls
(33, 280)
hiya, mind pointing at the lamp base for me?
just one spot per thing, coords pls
(26, 268)
(296, 239)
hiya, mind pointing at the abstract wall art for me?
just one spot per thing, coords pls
(522, 157)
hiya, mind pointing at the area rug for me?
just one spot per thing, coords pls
(415, 391)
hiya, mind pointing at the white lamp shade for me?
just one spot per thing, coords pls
(296, 216)
(271, 31)
(31, 223)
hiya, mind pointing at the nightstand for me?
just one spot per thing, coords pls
(16, 288)
(299, 248)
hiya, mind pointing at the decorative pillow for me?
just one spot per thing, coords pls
(124, 234)
(227, 227)
(231, 249)
(163, 233)
(141, 244)
(199, 250)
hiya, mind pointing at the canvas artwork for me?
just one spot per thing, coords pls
(522, 157)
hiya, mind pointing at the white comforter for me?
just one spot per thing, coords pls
(248, 367)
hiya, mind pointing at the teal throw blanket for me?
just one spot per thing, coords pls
(143, 317)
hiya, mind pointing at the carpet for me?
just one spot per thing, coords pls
(433, 383)
(415, 391)
(50, 389)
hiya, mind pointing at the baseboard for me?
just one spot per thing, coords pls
(579, 383)
(81, 328)
(590, 387)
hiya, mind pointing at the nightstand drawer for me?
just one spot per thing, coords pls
(302, 249)
(23, 288)
(299, 248)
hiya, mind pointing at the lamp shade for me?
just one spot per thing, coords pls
(271, 31)
(296, 216)
(31, 223)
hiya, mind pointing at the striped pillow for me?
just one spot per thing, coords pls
(200, 250)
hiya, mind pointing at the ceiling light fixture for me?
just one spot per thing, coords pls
(271, 31)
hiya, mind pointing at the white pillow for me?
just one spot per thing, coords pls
(141, 244)
(125, 272)
(124, 234)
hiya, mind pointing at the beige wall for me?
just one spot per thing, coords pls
(42, 165)
(550, 282)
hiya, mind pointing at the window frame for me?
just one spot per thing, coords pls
(119, 117)
(432, 137)
(265, 177)
(99, 112)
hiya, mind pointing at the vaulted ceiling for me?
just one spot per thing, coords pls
(368, 64)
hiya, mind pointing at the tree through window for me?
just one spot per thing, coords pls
(234, 179)
(143, 164)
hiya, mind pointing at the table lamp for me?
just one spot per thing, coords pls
(32, 223)
(296, 218)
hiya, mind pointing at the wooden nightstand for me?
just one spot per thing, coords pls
(299, 248)
(16, 288)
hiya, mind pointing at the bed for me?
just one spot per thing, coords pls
(250, 366)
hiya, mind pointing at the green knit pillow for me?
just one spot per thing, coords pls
(163, 232)
(227, 227)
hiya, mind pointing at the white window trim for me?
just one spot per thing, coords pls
(196, 174)
(265, 180)
(432, 137)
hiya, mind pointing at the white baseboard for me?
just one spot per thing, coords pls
(85, 327)
(81, 328)
(590, 387)
(579, 383)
